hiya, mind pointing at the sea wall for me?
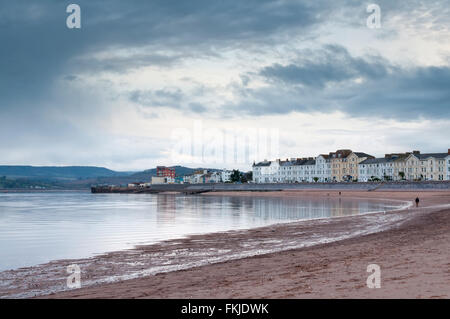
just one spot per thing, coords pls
(198, 188)
(327, 186)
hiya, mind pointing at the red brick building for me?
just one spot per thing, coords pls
(163, 171)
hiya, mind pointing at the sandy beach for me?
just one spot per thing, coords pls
(412, 252)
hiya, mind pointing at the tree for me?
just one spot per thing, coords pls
(246, 177)
(235, 176)
(402, 175)
(316, 179)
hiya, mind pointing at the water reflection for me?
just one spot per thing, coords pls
(265, 208)
(39, 227)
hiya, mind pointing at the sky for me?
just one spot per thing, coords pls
(207, 83)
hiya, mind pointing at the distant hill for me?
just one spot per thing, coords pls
(55, 172)
(75, 177)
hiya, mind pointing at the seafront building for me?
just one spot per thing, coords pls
(433, 166)
(447, 165)
(418, 166)
(341, 166)
(344, 164)
(338, 166)
(205, 176)
(347, 166)
(164, 175)
(377, 169)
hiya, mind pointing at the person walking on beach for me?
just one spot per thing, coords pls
(417, 201)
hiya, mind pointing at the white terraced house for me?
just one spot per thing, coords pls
(266, 172)
(303, 170)
(432, 166)
(323, 168)
(294, 170)
(393, 167)
(376, 169)
(225, 175)
(447, 166)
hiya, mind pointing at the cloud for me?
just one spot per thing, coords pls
(158, 98)
(37, 49)
(63, 93)
(333, 64)
(332, 79)
(172, 98)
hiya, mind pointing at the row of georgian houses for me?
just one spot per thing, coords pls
(347, 166)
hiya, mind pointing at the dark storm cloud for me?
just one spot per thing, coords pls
(36, 45)
(158, 98)
(37, 50)
(407, 94)
(331, 79)
(331, 65)
(38, 53)
(169, 97)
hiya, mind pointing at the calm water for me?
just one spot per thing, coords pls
(39, 227)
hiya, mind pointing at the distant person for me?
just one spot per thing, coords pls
(417, 201)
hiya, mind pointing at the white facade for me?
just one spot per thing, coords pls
(447, 167)
(412, 166)
(295, 170)
(323, 169)
(204, 176)
(305, 170)
(286, 172)
(193, 179)
(432, 166)
(225, 175)
(376, 169)
(266, 172)
(162, 180)
(216, 177)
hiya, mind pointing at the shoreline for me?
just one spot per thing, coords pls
(291, 235)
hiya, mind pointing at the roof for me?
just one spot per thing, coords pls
(287, 163)
(380, 160)
(435, 155)
(304, 161)
(340, 154)
(361, 154)
(267, 163)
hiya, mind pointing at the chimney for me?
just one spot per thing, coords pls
(416, 152)
(448, 151)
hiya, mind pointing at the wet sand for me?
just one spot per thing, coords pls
(413, 253)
